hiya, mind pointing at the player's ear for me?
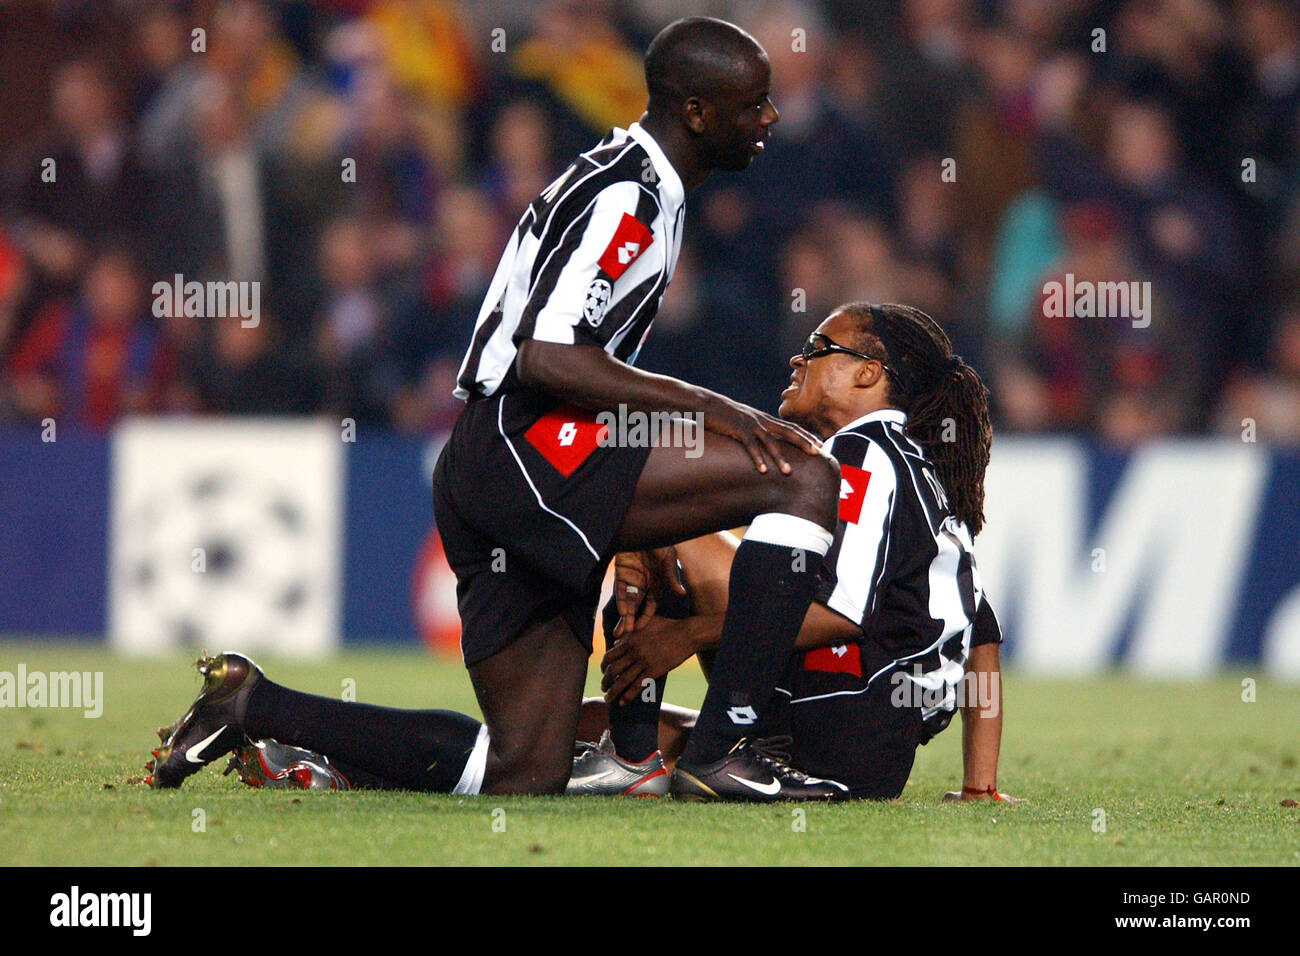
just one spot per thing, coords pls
(868, 374)
(697, 114)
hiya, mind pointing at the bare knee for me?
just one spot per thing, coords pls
(530, 693)
(521, 766)
(810, 491)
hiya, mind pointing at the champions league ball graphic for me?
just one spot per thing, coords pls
(219, 560)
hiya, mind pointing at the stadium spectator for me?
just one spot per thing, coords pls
(90, 360)
(820, 151)
(443, 308)
(226, 164)
(218, 209)
(352, 324)
(588, 72)
(395, 175)
(13, 286)
(1265, 406)
(243, 372)
(168, 87)
(1123, 374)
(427, 49)
(521, 160)
(924, 75)
(994, 130)
(78, 184)
(248, 52)
(1267, 129)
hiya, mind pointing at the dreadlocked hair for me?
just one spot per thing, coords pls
(946, 402)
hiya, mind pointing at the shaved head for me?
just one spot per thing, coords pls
(710, 96)
(699, 56)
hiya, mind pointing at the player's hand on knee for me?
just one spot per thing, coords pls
(762, 435)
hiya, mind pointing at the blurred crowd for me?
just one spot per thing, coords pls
(366, 160)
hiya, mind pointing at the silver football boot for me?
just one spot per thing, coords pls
(269, 763)
(598, 770)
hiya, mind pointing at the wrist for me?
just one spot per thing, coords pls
(713, 404)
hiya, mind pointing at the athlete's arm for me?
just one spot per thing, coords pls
(588, 376)
(658, 645)
(662, 644)
(981, 720)
(981, 728)
(706, 566)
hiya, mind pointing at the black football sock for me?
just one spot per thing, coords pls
(634, 726)
(359, 779)
(415, 749)
(773, 578)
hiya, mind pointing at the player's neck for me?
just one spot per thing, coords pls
(678, 150)
(860, 410)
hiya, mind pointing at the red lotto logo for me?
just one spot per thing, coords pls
(853, 492)
(565, 436)
(630, 240)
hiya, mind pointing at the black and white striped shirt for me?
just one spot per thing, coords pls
(901, 565)
(587, 264)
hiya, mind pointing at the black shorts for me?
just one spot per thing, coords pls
(527, 503)
(846, 726)
(855, 716)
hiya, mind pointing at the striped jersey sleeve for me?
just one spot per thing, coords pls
(986, 628)
(587, 264)
(855, 562)
(599, 260)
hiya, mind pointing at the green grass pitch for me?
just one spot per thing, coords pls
(1184, 773)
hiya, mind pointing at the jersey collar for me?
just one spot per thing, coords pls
(669, 181)
(882, 415)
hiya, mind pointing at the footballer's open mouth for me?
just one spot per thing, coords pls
(793, 388)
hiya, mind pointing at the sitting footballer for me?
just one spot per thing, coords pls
(900, 635)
